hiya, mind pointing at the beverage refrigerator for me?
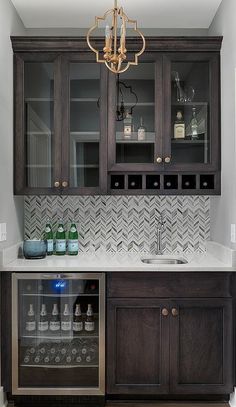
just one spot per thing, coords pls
(55, 352)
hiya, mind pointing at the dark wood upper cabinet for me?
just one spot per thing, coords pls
(69, 138)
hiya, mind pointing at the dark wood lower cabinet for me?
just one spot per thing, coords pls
(138, 347)
(201, 347)
(169, 346)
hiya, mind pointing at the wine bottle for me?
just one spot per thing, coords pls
(78, 321)
(48, 236)
(30, 322)
(55, 320)
(66, 319)
(73, 245)
(43, 319)
(60, 239)
(89, 325)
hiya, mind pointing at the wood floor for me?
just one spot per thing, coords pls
(161, 404)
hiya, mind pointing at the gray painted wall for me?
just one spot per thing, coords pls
(11, 209)
(223, 208)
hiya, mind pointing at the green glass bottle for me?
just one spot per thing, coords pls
(73, 245)
(48, 236)
(61, 239)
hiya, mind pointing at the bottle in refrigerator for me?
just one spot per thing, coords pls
(91, 354)
(61, 239)
(78, 321)
(89, 325)
(26, 359)
(73, 245)
(30, 325)
(43, 319)
(37, 359)
(55, 324)
(66, 319)
(48, 237)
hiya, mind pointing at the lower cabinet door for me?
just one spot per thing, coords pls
(137, 346)
(201, 359)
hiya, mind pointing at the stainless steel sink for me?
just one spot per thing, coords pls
(164, 260)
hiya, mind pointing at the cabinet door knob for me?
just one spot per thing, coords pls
(165, 312)
(167, 160)
(159, 160)
(174, 312)
(56, 184)
(65, 184)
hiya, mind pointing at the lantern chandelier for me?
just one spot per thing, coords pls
(114, 51)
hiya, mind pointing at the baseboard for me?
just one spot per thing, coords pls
(232, 401)
(3, 399)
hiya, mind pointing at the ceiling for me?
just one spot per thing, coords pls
(150, 13)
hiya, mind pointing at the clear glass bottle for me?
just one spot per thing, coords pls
(78, 321)
(43, 319)
(48, 236)
(66, 319)
(30, 325)
(141, 131)
(55, 324)
(89, 325)
(73, 244)
(61, 239)
(194, 125)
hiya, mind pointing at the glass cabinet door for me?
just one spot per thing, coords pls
(58, 334)
(133, 127)
(188, 123)
(82, 150)
(39, 137)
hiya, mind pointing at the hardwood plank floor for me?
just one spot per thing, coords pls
(163, 404)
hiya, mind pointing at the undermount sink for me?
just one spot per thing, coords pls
(164, 260)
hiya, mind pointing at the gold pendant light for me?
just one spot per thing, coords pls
(114, 51)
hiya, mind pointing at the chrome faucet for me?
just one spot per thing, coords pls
(160, 227)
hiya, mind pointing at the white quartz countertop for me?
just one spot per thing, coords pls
(216, 258)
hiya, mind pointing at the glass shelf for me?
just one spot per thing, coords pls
(61, 366)
(59, 295)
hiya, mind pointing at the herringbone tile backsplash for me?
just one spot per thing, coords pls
(125, 223)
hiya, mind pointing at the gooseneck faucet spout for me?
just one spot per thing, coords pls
(160, 227)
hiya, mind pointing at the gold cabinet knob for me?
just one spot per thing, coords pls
(165, 312)
(56, 184)
(174, 312)
(159, 160)
(65, 184)
(167, 160)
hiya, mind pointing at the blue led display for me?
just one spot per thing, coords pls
(59, 284)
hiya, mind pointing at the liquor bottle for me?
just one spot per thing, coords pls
(30, 325)
(141, 131)
(32, 350)
(55, 320)
(68, 359)
(179, 126)
(78, 321)
(73, 245)
(66, 319)
(89, 325)
(63, 350)
(194, 125)
(60, 239)
(48, 236)
(43, 319)
(128, 125)
(26, 359)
